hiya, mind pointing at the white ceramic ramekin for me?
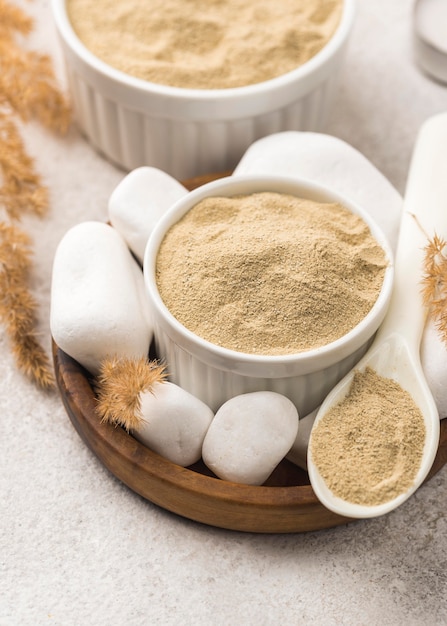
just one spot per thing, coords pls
(215, 374)
(187, 132)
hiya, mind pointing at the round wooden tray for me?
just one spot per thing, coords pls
(285, 504)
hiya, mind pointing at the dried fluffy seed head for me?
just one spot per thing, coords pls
(13, 20)
(18, 307)
(119, 386)
(32, 360)
(434, 283)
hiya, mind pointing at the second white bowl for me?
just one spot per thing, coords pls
(188, 132)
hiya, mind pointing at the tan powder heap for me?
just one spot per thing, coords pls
(368, 449)
(269, 273)
(204, 45)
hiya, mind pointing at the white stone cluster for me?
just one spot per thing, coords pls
(99, 309)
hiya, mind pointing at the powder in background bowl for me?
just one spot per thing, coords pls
(269, 273)
(205, 45)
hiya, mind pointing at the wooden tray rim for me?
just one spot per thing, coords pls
(201, 498)
(198, 497)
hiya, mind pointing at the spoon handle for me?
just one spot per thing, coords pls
(424, 215)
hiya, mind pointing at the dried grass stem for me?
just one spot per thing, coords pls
(28, 90)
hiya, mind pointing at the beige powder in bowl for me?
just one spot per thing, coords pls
(215, 44)
(269, 273)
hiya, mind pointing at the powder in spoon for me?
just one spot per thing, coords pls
(368, 448)
(205, 45)
(269, 273)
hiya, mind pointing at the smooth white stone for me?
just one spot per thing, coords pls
(99, 307)
(250, 434)
(175, 423)
(434, 364)
(139, 201)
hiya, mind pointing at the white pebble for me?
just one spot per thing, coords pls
(175, 423)
(139, 201)
(250, 434)
(434, 363)
(99, 307)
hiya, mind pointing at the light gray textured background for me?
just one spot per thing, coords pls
(79, 548)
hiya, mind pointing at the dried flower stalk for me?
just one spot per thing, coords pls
(21, 190)
(18, 309)
(119, 386)
(27, 90)
(434, 283)
(27, 82)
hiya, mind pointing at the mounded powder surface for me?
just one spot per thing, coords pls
(269, 273)
(205, 45)
(369, 447)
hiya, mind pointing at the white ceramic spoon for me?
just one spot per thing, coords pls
(395, 351)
